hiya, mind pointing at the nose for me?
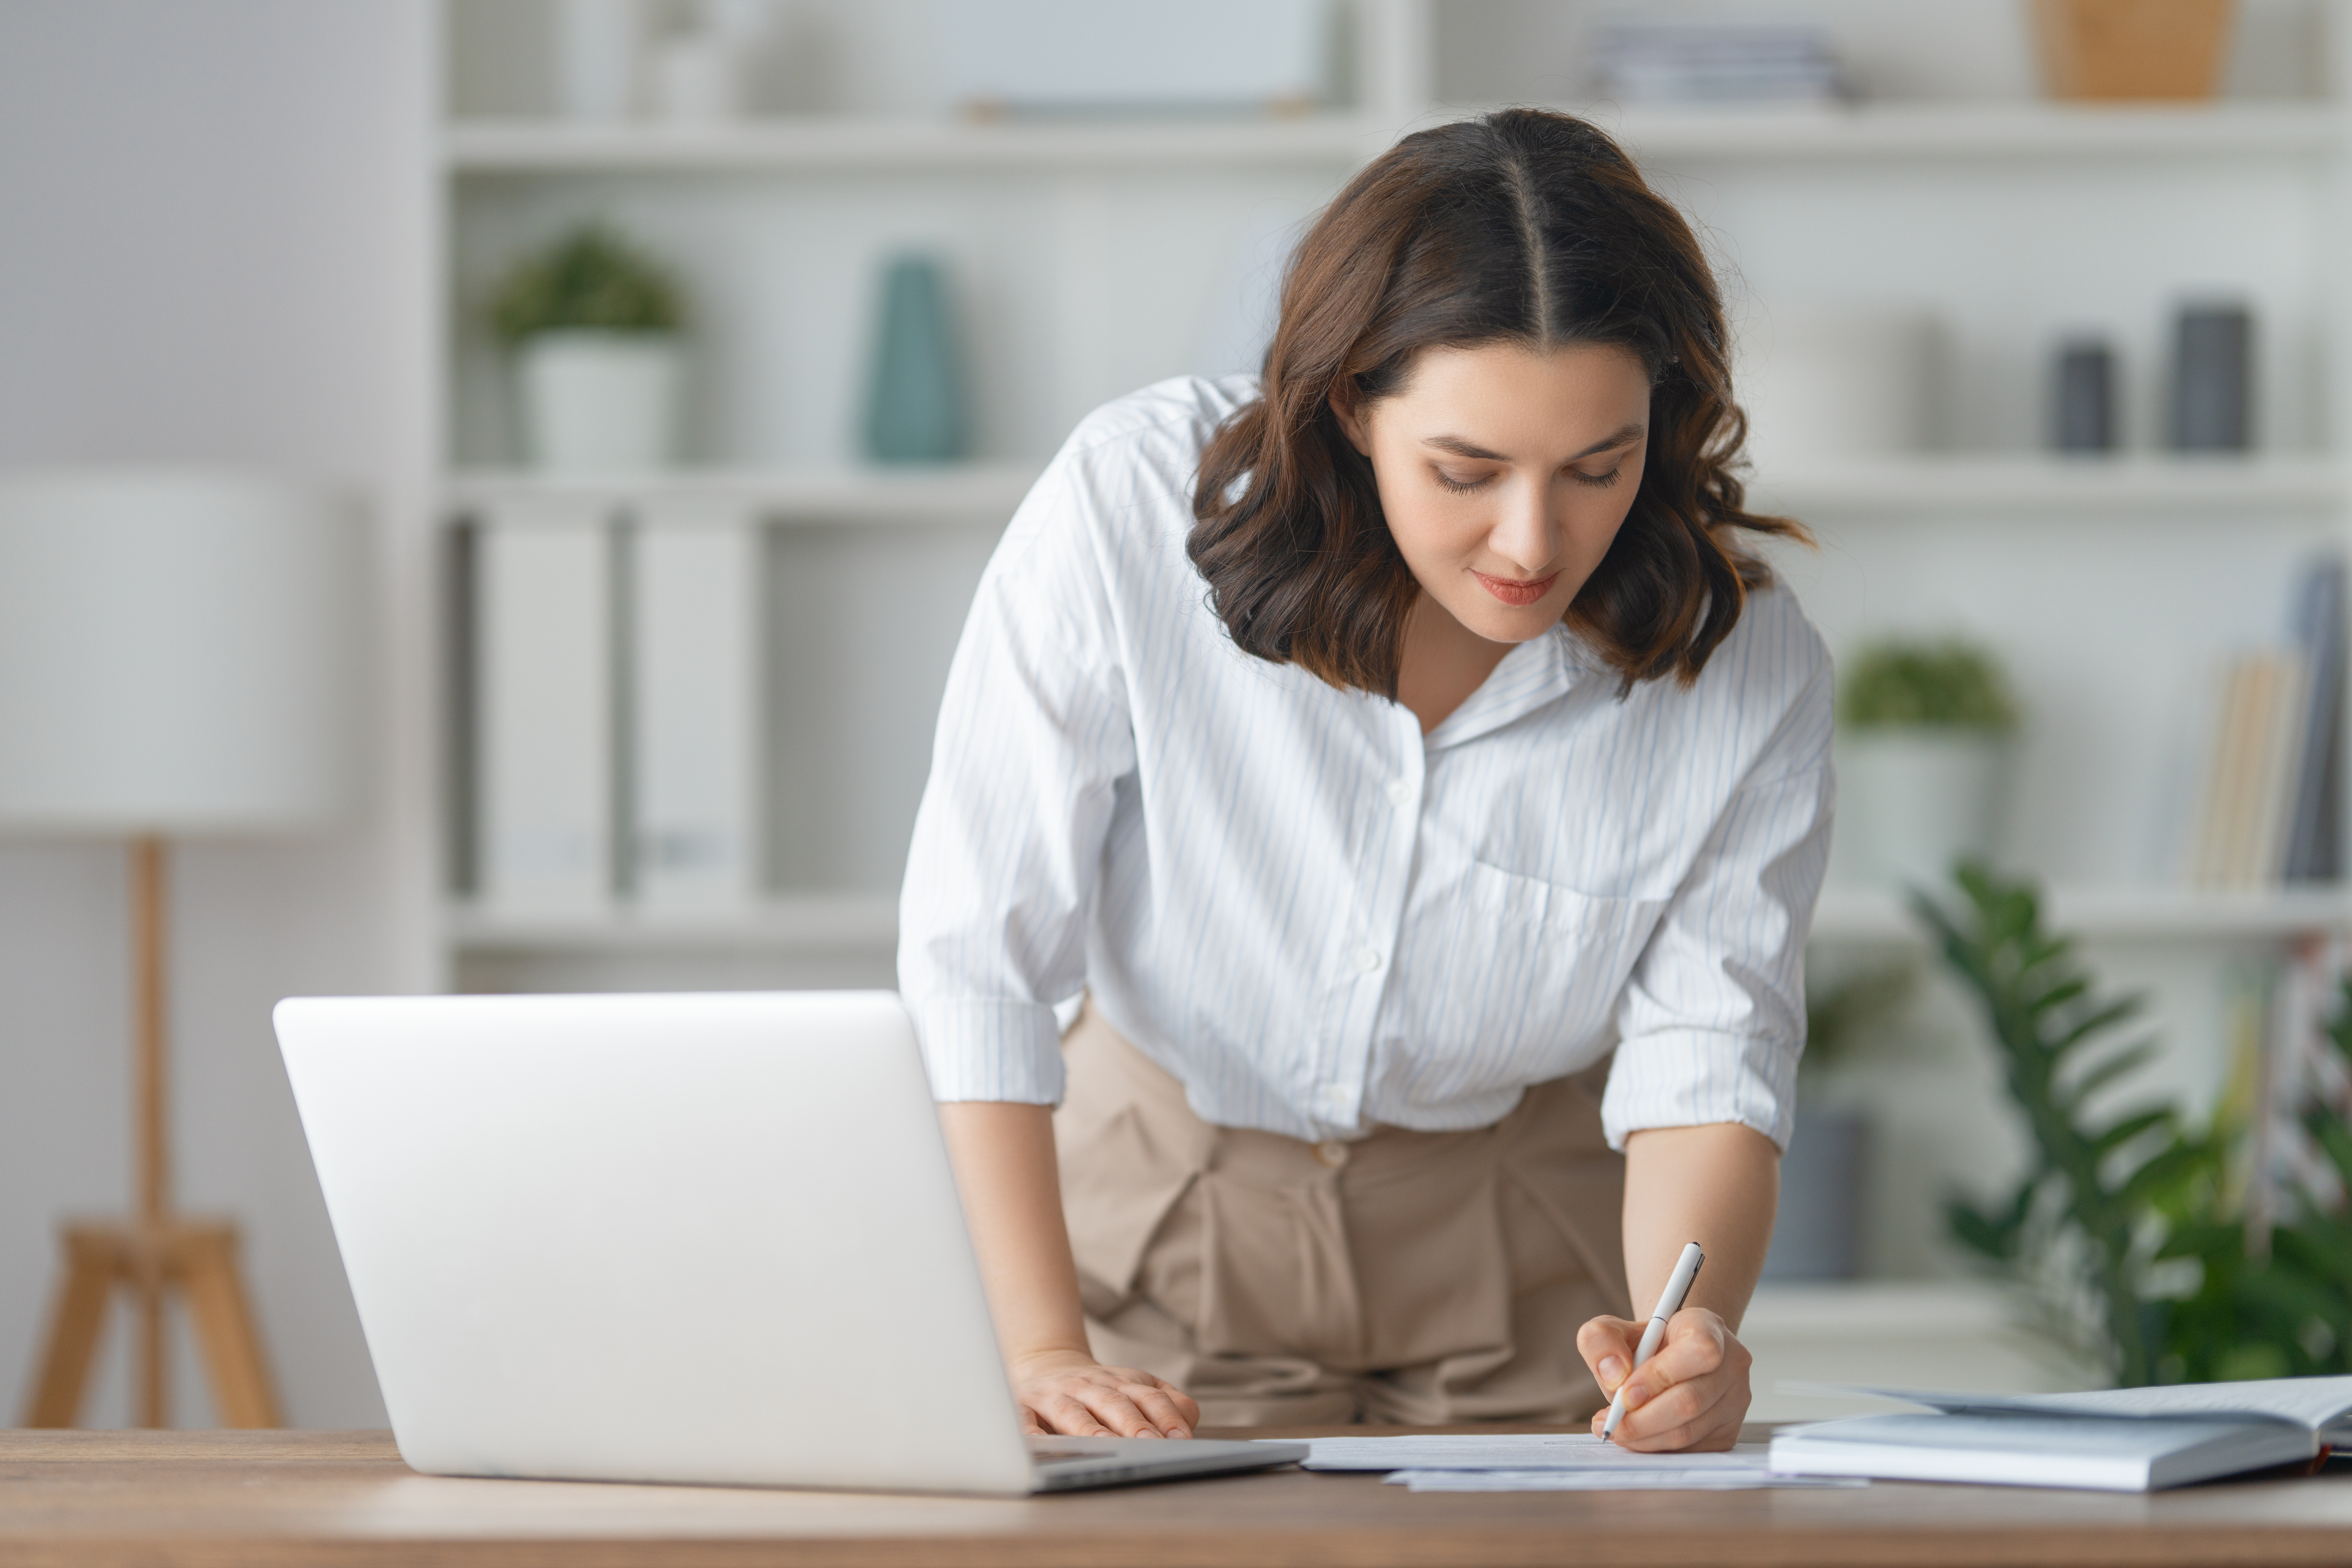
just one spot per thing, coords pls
(1523, 534)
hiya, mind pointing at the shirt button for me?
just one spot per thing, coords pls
(1334, 1098)
(1367, 959)
(1400, 792)
(1331, 1153)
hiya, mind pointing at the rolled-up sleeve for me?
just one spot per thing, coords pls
(1034, 736)
(1711, 1026)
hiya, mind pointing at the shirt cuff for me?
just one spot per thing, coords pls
(990, 1050)
(1694, 1078)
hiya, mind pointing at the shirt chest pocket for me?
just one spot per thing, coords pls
(1556, 959)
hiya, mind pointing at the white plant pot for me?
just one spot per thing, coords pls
(1912, 801)
(600, 402)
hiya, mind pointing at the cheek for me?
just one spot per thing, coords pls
(1429, 527)
(1592, 522)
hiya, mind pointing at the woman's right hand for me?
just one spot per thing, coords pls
(1071, 1394)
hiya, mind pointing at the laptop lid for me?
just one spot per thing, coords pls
(703, 1237)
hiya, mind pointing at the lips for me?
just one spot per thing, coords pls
(1514, 591)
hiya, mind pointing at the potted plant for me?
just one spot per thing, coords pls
(1923, 760)
(593, 325)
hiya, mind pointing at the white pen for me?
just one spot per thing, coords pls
(1670, 1301)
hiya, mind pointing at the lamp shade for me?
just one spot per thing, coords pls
(180, 653)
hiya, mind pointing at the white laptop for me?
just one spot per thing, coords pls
(702, 1239)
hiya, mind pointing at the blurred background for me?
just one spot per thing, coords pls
(690, 355)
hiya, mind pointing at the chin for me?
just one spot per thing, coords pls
(1517, 625)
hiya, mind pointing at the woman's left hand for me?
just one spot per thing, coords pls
(1692, 1395)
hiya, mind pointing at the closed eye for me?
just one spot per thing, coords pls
(1462, 487)
(1599, 481)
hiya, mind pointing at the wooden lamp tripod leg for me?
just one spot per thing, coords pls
(157, 1252)
(93, 1261)
(224, 1328)
(154, 1152)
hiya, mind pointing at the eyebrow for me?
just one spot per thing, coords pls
(1462, 448)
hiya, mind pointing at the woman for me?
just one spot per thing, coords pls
(1378, 746)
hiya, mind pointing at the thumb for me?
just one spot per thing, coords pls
(1607, 1345)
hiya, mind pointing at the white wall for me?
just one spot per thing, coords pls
(216, 243)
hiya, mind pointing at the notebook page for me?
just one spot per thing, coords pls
(2316, 1404)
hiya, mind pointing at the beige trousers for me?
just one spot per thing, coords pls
(1417, 1278)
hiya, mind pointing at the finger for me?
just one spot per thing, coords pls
(1065, 1414)
(1160, 1411)
(1673, 1418)
(1701, 1412)
(1695, 1345)
(1136, 1384)
(1115, 1410)
(1031, 1426)
(1186, 1406)
(1607, 1345)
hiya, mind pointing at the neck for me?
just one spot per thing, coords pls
(1444, 662)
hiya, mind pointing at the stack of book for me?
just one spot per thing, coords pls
(2122, 1439)
(1648, 63)
(2268, 812)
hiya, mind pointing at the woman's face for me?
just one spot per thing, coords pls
(1504, 473)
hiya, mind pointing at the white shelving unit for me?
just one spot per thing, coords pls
(1775, 191)
(1093, 257)
(2112, 915)
(2087, 488)
(1979, 131)
(963, 492)
(877, 144)
(810, 922)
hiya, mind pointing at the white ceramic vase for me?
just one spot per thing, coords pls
(1914, 801)
(1826, 385)
(597, 402)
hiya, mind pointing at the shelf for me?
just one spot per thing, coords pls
(2113, 914)
(1868, 130)
(834, 921)
(1975, 130)
(977, 491)
(808, 922)
(821, 144)
(2031, 486)
(2041, 485)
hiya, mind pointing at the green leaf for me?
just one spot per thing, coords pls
(2097, 1077)
(2119, 1133)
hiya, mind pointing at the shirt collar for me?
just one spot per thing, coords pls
(1540, 671)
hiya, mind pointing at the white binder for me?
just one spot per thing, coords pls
(545, 651)
(696, 640)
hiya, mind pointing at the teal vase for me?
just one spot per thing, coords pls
(915, 413)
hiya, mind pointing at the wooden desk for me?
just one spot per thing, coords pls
(255, 1500)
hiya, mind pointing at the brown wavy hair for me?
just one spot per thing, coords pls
(1521, 227)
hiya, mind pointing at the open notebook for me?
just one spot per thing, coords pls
(2124, 1439)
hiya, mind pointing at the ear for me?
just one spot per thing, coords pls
(1350, 411)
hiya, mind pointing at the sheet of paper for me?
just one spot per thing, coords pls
(1667, 1479)
(1556, 1451)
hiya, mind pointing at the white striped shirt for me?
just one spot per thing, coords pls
(1312, 915)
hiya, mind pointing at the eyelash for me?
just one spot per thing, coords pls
(1598, 481)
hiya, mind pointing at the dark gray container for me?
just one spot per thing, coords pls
(1818, 1235)
(2212, 379)
(2082, 397)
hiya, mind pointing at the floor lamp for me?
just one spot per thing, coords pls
(180, 657)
